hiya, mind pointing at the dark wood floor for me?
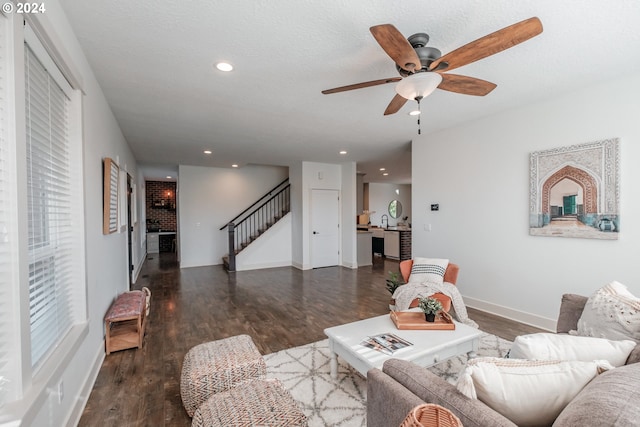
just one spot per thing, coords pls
(279, 308)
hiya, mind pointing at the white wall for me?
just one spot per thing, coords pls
(106, 256)
(295, 179)
(308, 176)
(210, 197)
(141, 227)
(381, 194)
(359, 193)
(348, 204)
(271, 249)
(482, 223)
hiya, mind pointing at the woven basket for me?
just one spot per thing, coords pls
(432, 416)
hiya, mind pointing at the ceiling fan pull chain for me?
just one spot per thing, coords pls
(418, 98)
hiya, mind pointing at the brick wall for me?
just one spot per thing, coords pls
(159, 192)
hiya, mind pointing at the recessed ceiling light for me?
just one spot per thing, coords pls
(383, 169)
(343, 152)
(168, 176)
(224, 66)
(234, 165)
(414, 113)
(385, 174)
(207, 151)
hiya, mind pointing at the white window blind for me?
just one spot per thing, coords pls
(50, 208)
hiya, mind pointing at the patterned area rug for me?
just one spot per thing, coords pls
(304, 371)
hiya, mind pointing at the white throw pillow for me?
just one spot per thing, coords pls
(429, 270)
(569, 347)
(529, 393)
(612, 312)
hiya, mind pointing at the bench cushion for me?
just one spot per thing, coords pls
(127, 305)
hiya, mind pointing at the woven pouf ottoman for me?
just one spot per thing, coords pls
(254, 403)
(217, 366)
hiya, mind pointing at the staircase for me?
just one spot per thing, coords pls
(249, 225)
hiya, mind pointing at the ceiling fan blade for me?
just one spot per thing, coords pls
(396, 104)
(465, 85)
(396, 46)
(490, 44)
(362, 85)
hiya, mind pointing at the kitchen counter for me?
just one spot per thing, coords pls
(364, 248)
(392, 242)
(370, 228)
(160, 241)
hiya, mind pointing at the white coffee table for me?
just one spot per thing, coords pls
(429, 346)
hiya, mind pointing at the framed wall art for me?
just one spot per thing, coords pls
(574, 191)
(111, 174)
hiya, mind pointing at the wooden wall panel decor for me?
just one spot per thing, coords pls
(110, 196)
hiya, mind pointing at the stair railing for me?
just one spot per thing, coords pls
(257, 221)
(267, 194)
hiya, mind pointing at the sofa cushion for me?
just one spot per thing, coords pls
(611, 312)
(529, 393)
(611, 399)
(428, 270)
(433, 389)
(545, 346)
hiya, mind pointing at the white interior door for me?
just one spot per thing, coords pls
(325, 228)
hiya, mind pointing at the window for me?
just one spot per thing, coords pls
(43, 315)
(7, 228)
(50, 206)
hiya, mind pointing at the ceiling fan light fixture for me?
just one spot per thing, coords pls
(414, 113)
(418, 85)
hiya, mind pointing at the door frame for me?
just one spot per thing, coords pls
(130, 267)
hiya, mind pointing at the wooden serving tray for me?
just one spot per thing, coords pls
(416, 320)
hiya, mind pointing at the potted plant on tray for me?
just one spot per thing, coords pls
(393, 283)
(430, 307)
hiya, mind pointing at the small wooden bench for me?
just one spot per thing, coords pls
(125, 321)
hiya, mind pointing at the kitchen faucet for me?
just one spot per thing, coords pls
(384, 218)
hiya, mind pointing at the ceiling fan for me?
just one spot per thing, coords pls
(422, 69)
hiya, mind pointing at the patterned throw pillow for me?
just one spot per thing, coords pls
(528, 392)
(428, 270)
(612, 312)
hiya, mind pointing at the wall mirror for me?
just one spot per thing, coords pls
(395, 209)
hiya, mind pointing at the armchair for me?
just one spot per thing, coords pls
(450, 276)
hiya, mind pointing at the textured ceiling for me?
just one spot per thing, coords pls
(155, 62)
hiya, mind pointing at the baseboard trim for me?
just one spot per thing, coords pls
(262, 265)
(90, 380)
(301, 266)
(510, 313)
(351, 265)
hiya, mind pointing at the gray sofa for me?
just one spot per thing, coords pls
(610, 399)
